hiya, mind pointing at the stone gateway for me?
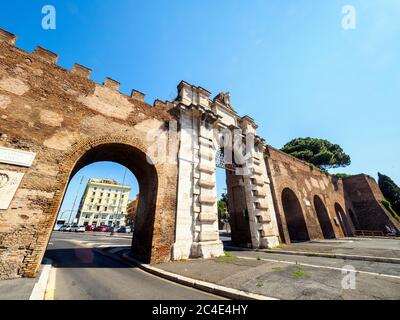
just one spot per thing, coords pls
(68, 122)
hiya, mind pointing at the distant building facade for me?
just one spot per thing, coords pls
(132, 209)
(103, 203)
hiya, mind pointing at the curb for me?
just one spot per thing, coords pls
(226, 292)
(338, 256)
(323, 255)
(39, 290)
(222, 291)
(377, 237)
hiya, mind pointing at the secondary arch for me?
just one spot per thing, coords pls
(323, 218)
(341, 216)
(295, 221)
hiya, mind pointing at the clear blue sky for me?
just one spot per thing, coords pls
(287, 63)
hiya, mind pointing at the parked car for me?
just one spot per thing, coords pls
(59, 225)
(77, 228)
(65, 228)
(89, 228)
(102, 229)
(124, 229)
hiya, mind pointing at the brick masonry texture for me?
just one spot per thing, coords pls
(64, 118)
(70, 121)
(359, 195)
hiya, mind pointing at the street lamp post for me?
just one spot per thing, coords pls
(76, 197)
(60, 217)
(119, 206)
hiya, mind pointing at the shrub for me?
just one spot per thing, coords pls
(389, 208)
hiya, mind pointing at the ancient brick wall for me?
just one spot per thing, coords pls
(366, 197)
(306, 181)
(62, 116)
(69, 121)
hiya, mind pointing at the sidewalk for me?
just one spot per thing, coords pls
(285, 279)
(16, 289)
(27, 288)
(356, 248)
(264, 276)
(386, 248)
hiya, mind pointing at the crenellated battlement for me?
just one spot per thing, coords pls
(112, 84)
(81, 71)
(188, 94)
(44, 55)
(8, 37)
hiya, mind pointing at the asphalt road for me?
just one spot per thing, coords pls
(81, 273)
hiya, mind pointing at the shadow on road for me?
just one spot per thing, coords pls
(82, 258)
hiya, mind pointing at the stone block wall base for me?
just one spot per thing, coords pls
(269, 242)
(208, 249)
(181, 250)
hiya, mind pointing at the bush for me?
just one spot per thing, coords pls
(342, 175)
(389, 208)
(390, 191)
(396, 206)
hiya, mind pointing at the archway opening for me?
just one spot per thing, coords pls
(232, 206)
(341, 216)
(237, 206)
(323, 218)
(93, 215)
(295, 221)
(224, 225)
(98, 195)
(108, 202)
(354, 219)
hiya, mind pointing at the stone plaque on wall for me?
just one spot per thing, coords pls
(9, 182)
(16, 157)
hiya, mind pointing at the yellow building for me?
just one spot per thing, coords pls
(132, 208)
(103, 203)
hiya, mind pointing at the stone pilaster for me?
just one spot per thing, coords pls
(197, 216)
(185, 214)
(262, 221)
(207, 243)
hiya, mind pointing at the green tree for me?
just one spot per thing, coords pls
(222, 205)
(319, 152)
(390, 191)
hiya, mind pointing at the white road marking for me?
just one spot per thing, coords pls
(94, 244)
(321, 267)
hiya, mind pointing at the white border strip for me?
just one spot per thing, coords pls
(39, 290)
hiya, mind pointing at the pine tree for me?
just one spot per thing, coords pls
(319, 152)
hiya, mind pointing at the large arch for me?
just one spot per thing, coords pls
(341, 216)
(323, 218)
(131, 153)
(295, 221)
